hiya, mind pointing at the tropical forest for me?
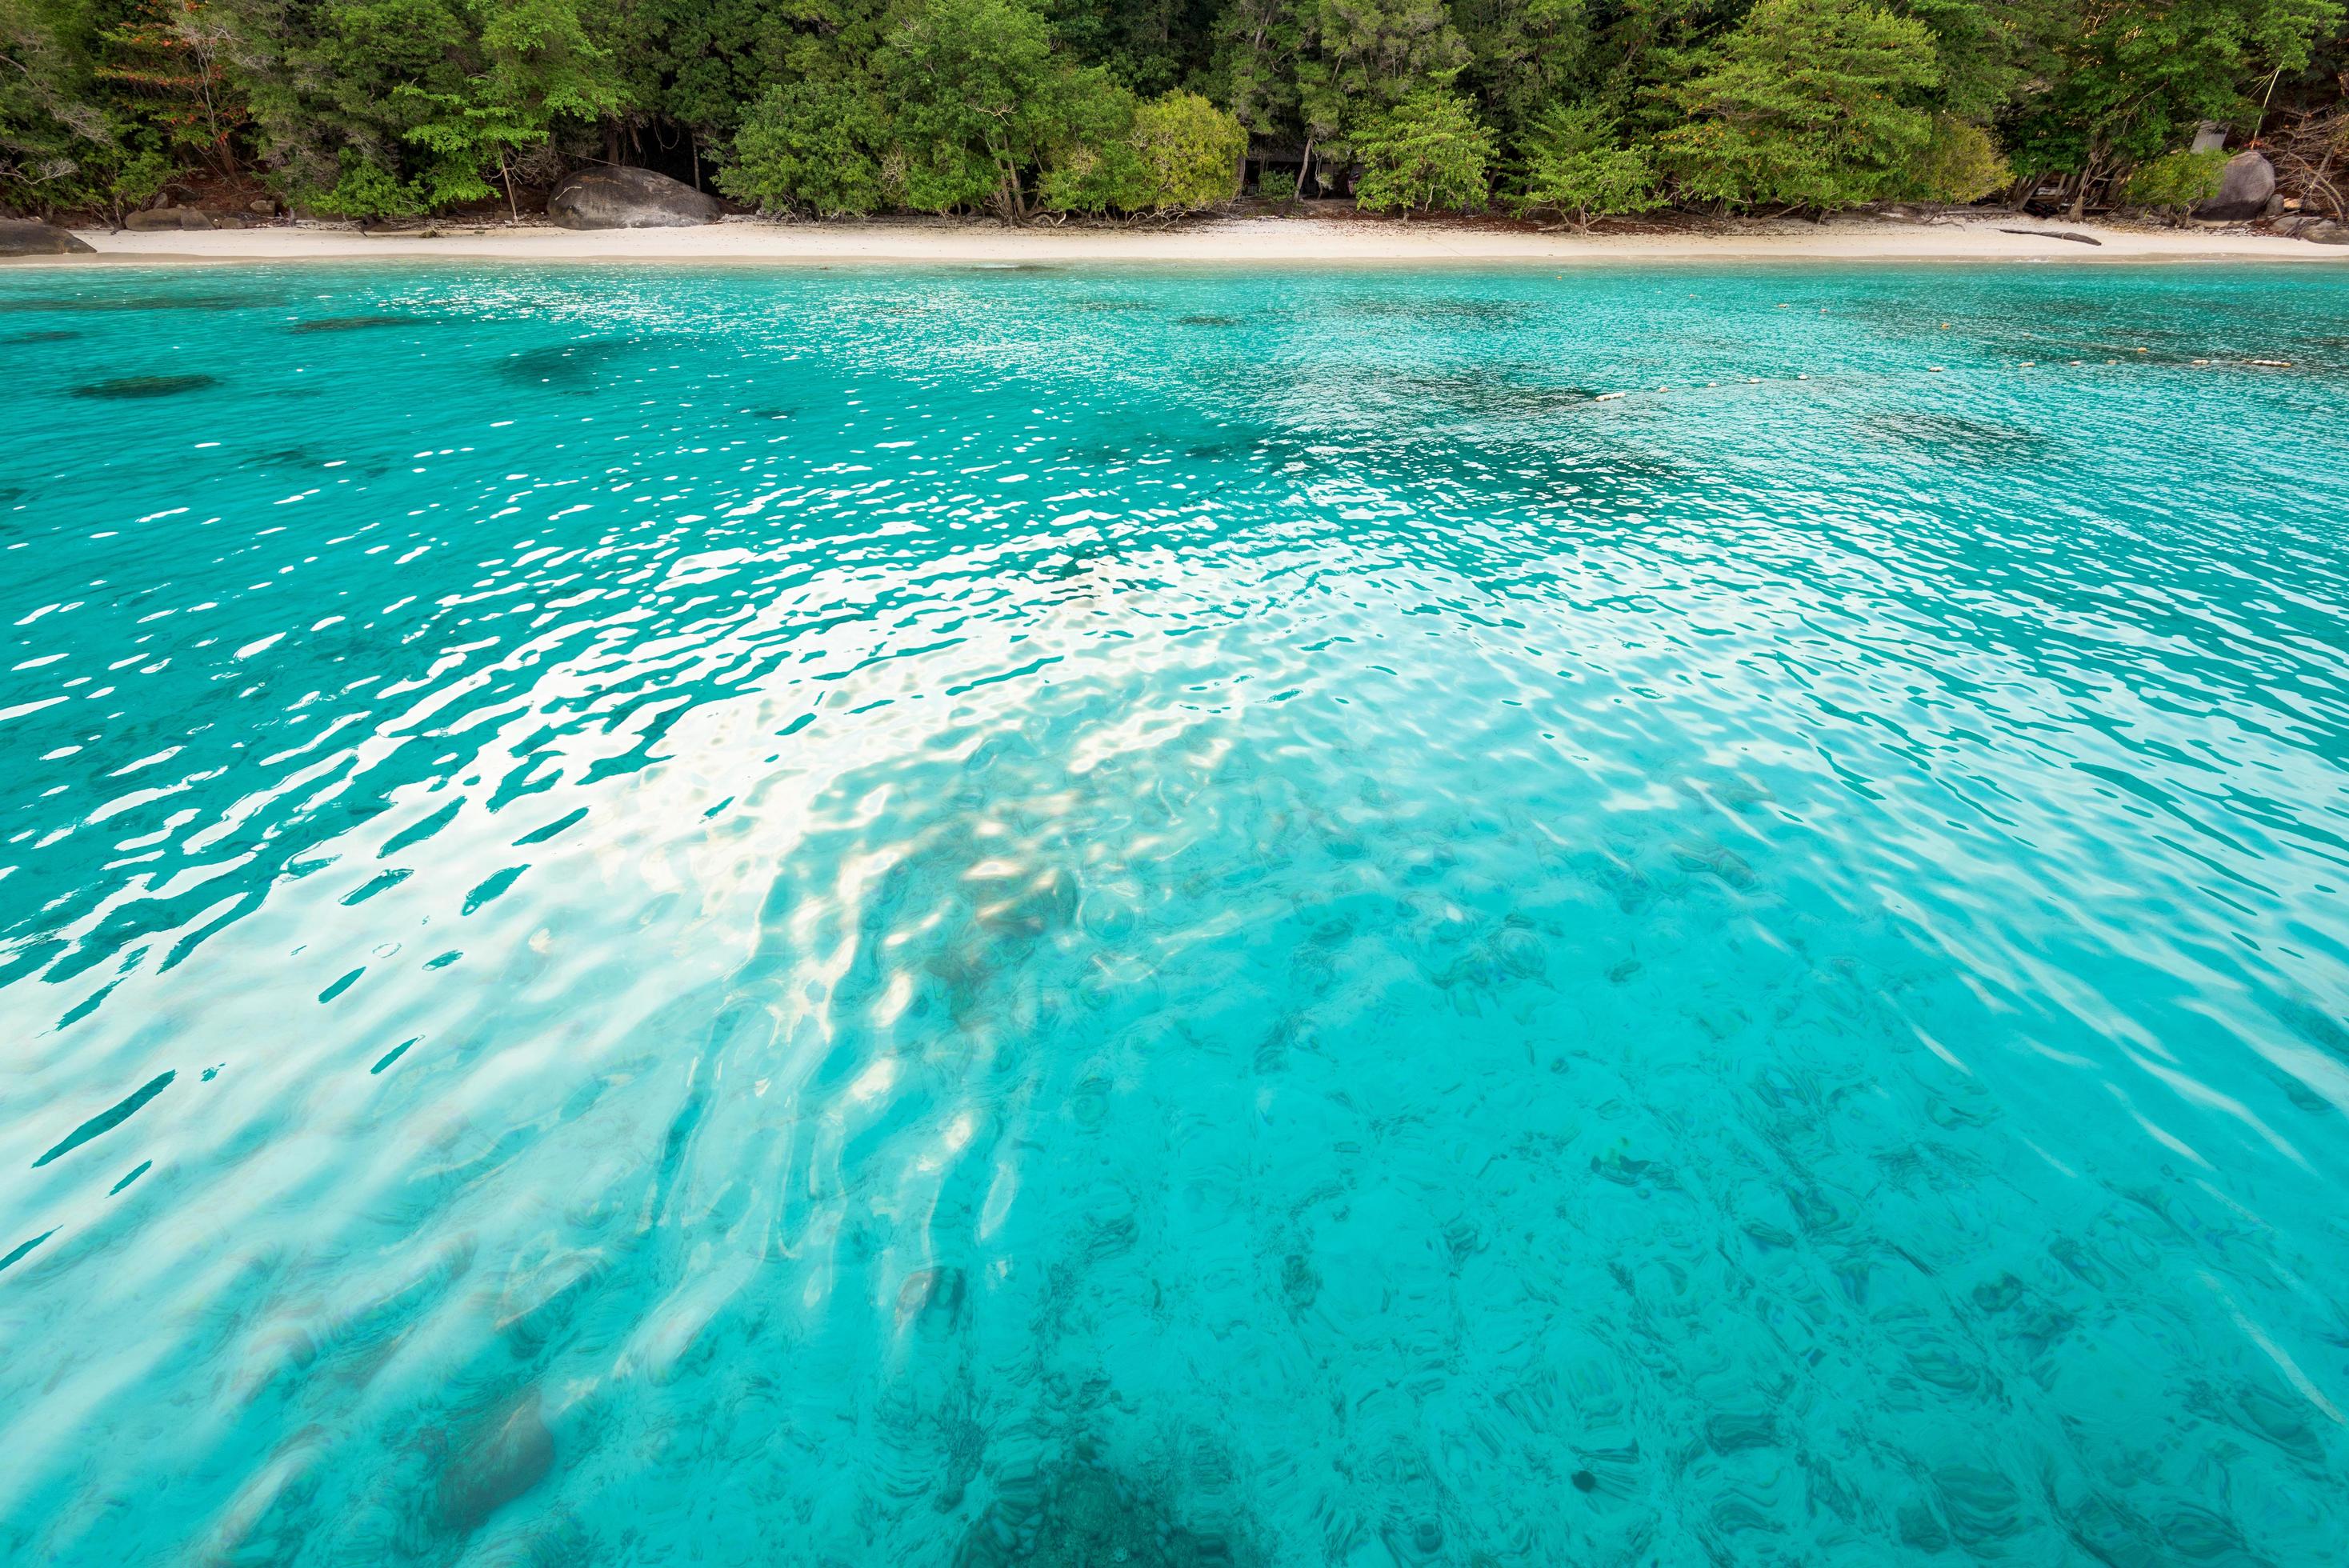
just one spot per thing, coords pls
(1132, 109)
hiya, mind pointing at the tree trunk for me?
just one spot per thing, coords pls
(506, 175)
(2079, 207)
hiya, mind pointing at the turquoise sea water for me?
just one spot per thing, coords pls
(1072, 917)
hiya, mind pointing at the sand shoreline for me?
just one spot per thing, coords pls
(1237, 240)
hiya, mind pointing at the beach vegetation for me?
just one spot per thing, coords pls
(816, 147)
(1576, 166)
(1427, 152)
(1568, 109)
(1803, 104)
(1957, 162)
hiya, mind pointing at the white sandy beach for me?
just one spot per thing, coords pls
(1274, 239)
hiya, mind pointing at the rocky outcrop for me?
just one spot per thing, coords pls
(163, 218)
(629, 199)
(2244, 186)
(2309, 226)
(31, 237)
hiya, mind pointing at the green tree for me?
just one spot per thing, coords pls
(1190, 153)
(1429, 150)
(58, 142)
(1987, 50)
(696, 70)
(976, 98)
(539, 67)
(2128, 79)
(1087, 159)
(1576, 166)
(1176, 153)
(2176, 181)
(1526, 56)
(1361, 59)
(167, 59)
(1808, 103)
(1254, 73)
(1959, 162)
(1151, 46)
(367, 191)
(813, 146)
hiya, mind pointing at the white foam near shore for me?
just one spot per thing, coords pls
(1239, 239)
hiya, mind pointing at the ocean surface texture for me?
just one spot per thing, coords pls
(1078, 917)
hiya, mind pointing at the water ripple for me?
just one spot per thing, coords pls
(980, 916)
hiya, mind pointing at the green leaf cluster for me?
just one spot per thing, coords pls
(1806, 103)
(968, 107)
(2177, 180)
(1576, 165)
(1430, 150)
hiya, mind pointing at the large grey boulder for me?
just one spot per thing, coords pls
(629, 199)
(2244, 186)
(31, 237)
(163, 218)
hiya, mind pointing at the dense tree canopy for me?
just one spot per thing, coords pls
(1563, 109)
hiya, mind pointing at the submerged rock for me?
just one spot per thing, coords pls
(2244, 186)
(629, 199)
(353, 323)
(145, 387)
(32, 237)
(1084, 1516)
(503, 1460)
(932, 1295)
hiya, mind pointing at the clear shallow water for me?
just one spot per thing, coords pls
(972, 916)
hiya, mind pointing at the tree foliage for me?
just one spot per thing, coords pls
(1427, 152)
(1576, 165)
(816, 147)
(1807, 103)
(1957, 162)
(2131, 79)
(383, 107)
(2177, 180)
(1189, 153)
